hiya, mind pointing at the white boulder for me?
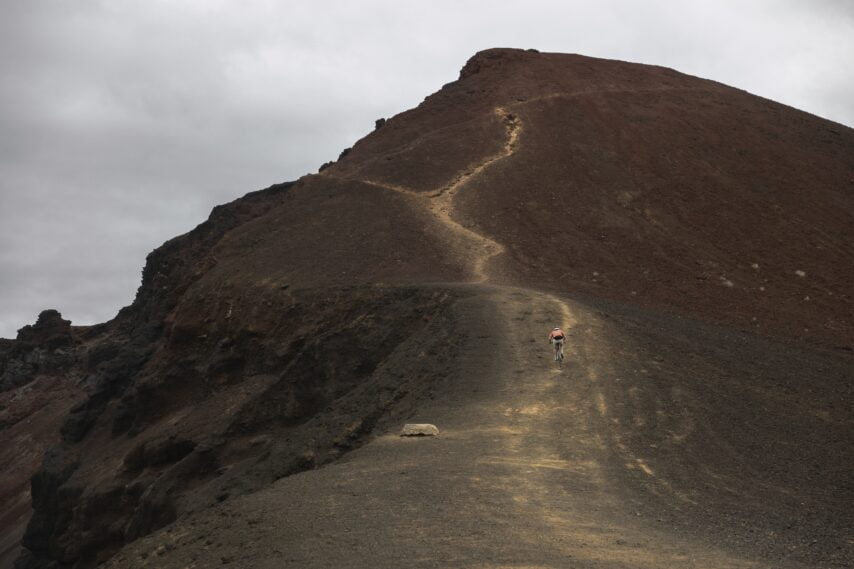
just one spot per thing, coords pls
(419, 430)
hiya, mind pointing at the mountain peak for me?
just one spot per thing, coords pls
(495, 58)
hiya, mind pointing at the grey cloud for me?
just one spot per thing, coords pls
(124, 123)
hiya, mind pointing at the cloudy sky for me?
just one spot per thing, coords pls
(122, 123)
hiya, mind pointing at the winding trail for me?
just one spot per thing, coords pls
(476, 248)
(415, 141)
(441, 201)
(470, 244)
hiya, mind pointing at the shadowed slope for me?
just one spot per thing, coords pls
(633, 455)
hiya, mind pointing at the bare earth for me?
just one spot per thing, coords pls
(538, 466)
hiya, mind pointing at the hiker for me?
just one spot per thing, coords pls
(556, 338)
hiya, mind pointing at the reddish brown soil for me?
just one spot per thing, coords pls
(641, 184)
(694, 239)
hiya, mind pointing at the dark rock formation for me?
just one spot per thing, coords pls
(42, 348)
(42, 375)
(50, 331)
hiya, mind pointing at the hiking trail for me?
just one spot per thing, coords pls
(439, 203)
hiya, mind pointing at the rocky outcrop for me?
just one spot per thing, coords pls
(42, 375)
(212, 414)
(43, 348)
(113, 356)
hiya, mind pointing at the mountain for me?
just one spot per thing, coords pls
(694, 241)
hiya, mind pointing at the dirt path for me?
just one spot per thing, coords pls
(517, 477)
(475, 248)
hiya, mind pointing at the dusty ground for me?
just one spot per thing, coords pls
(544, 467)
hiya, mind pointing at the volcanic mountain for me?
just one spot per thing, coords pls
(694, 240)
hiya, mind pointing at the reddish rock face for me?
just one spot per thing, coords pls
(298, 320)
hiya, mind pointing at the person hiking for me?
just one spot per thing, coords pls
(556, 338)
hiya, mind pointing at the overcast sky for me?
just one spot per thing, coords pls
(122, 123)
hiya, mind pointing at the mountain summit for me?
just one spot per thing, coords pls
(694, 241)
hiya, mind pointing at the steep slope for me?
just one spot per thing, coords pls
(695, 237)
(41, 379)
(646, 450)
(640, 184)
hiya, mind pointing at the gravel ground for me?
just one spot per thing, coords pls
(619, 459)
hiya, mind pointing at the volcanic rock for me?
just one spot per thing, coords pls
(42, 376)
